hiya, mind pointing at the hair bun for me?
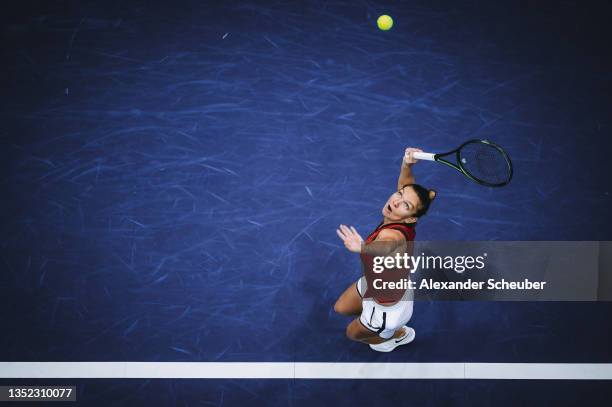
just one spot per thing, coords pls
(432, 194)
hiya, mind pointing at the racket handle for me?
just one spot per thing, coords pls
(424, 156)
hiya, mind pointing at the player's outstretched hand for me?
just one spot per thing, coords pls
(352, 240)
(409, 157)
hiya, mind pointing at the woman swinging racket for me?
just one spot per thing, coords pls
(382, 319)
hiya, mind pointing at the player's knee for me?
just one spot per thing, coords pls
(340, 308)
(355, 332)
(351, 333)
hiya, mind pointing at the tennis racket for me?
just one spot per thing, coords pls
(481, 161)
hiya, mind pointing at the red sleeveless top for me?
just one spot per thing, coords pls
(408, 230)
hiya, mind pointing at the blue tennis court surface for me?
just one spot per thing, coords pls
(173, 175)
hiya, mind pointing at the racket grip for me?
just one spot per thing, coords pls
(424, 156)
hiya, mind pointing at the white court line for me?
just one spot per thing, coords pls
(301, 370)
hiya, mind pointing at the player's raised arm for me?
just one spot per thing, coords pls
(406, 176)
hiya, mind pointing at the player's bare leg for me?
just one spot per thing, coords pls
(349, 303)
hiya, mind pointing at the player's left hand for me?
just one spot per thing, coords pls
(352, 240)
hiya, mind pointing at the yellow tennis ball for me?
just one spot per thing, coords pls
(384, 22)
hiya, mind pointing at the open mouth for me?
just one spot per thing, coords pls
(389, 208)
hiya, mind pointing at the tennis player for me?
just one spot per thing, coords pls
(382, 321)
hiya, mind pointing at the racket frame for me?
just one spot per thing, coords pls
(459, 166)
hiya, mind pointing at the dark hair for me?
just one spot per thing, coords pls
(426, 196)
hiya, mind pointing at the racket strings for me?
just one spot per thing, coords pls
(485, 162)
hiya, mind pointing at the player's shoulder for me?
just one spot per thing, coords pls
(391, 234)
(404, 231)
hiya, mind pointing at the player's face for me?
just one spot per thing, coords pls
(401, 205)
